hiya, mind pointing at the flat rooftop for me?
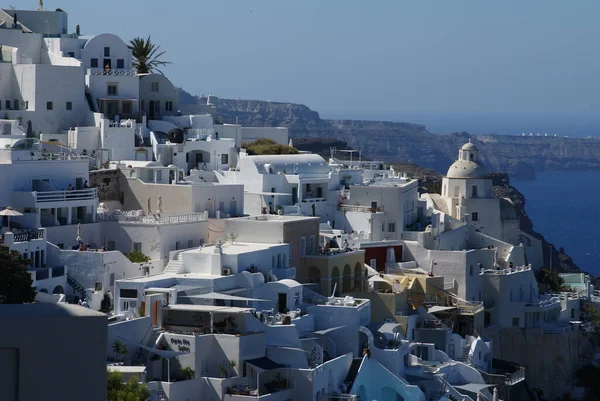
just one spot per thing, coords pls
(235, 248)
(46, 310)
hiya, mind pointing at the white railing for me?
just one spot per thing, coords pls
(544, 302)
(65, 196)
(125, 217)
(552, 329)
(112, 73)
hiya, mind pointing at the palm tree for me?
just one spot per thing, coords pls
(146, 57)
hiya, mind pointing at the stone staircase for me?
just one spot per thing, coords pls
(175, 265)
(464, 357)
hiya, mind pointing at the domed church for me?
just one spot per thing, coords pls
(467, 192)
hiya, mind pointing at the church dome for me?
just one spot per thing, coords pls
(467, 169)
(469, 146)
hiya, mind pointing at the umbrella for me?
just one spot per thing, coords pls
(8, 212)
(79, 233)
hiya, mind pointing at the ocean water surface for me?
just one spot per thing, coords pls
(564, 206)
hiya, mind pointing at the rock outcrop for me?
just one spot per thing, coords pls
(392, 142)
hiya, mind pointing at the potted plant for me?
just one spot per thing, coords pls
(223, 371)
(233, 364)
(187, 373)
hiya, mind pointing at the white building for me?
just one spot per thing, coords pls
(295, 184)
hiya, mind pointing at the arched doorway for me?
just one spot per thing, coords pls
(335, 281)
(58, 290)
(347, 279)
(314, 277)
(358, 278)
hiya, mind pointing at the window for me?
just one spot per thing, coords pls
(224, 158)
(69, 105)
(311, 248)
(154, 87)
(8, 105)
(392, 227)
(474, 191)
(177, 245)
(303, 246)
(515, 322)
(474, 216)
(48, 105)
(107, 52)
(191, 243)
(94, 63)
(120, 63)
(137, 247)
(16, 104)
(127, 293)
(471, 270)
(26, 104)
(112, 279)
(112, 89)
(169, 105)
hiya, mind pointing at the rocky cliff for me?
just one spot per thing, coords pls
(412, 143)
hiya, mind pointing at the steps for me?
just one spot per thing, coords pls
(175, 265)
(77, 287)
(464, 357)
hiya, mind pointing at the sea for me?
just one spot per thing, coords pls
(564, 206)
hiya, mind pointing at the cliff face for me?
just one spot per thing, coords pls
(411, 143)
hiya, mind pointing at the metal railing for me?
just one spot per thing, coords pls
(28, 235)
(41, 274)
(58, 271)
(113, 73)
(544, 302)
(65, 196)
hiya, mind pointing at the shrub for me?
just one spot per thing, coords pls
(137, 257)
(266, 146)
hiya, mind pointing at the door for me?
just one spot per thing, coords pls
(107, 64)
(151, 109)
(294, 195)
(319, 192)
(233, 208)
(281, 302)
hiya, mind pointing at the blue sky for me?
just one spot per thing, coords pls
(363, 58)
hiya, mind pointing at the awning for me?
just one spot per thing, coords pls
(162, 353)
(474, 388)
(264, 363)
(437, 308)
(378, 278)
(226, 297)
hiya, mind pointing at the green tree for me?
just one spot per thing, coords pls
(137, 257)
(130, 391)
(15, 280)
(552, 279)
(146, 55)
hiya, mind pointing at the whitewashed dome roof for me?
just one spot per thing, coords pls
(467, 169)
(469, 146)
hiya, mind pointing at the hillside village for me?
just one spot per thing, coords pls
(183, 254)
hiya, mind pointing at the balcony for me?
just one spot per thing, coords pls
(431, 324)
(362, 208)
(112, 73)
(39, 198)
(547, 303)
(134, 218)
(18, 236)
(44, 273)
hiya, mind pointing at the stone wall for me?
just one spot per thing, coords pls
(550, 360)
(107, 184)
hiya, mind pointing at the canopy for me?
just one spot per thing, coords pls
(437, 308)
(226, 297)
(262, 364)
(378, 278)
(9, 211)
